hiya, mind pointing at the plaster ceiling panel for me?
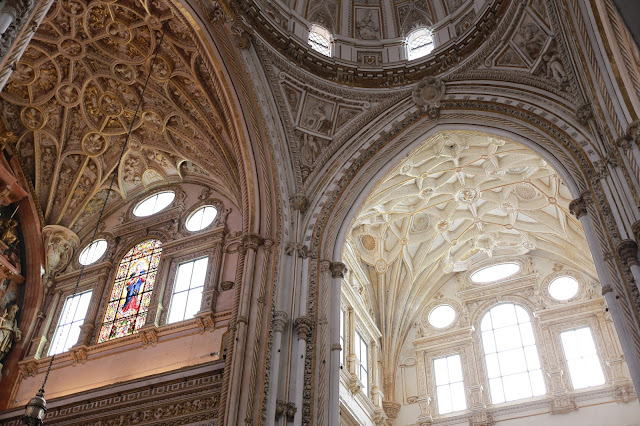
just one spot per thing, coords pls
(73, 97)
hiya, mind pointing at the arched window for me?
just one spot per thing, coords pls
(419, 43)
(131, 293)
(513, 365)
(319, 40)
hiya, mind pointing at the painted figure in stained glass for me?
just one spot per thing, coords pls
(131, 294)
(135, 285)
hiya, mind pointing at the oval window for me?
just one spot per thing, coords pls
(563, 288)
(154, 204)
(93, 252)
(495, 272)
(201, 218)
(442, 316)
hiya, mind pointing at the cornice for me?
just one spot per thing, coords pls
(388, 75)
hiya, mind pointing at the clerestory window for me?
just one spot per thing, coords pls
(511, 356)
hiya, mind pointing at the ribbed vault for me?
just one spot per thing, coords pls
(458, 199)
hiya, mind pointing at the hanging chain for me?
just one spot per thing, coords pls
(113, 179)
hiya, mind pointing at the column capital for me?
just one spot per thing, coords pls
(628, 252)
(304, 326)
(338, 269)
(578, 207)
(252, 241)
(279, 321)
(635, 228)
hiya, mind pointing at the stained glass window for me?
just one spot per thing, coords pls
(131, 293)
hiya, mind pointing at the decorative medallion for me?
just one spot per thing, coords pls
(381, 266)
(71, 48)
(368, 242)
(32, 118)
(68, 95)
(94, 144)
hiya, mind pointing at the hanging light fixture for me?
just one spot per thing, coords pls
(36, 408)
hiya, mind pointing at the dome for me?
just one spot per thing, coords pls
(371, 34)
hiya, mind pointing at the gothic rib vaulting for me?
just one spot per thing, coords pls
(364, 212)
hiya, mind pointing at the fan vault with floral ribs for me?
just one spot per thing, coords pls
(74, 94)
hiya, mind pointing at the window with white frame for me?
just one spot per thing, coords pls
(187, 291)
(72, 317)
(319, 40)
(511, 356)
(449, 384)
(342, 351)
(362, 368)
(580, 352)
(419, 43)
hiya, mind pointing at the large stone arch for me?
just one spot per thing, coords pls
(329, 216)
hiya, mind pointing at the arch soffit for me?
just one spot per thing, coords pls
(250, 142)
(330, 216)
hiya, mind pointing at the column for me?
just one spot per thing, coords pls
(304, 328)
(250, 243)
(338, 270)
(278, 324)
(38, 344)
(625, 329)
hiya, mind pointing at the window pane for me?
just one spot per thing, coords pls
(513, 364)
(526, 333)
(185, 270)
(449, 384)
(178, 306)
(493, 368)
(582, 360)
(71, 318)
(503, 315)
(512, 361)
(457, 396)
(199, 272)
(444, 399)
(455, 368)
(488, 342)
(517, 386)
(507, 338)
(441, 371)
(497, 394)
(533, 361)
(537, 383)
(193, 303)
(154, 204)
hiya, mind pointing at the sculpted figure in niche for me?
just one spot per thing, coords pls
(9, 232)
(555, 69)
(309, 149)
(9, 331)
(367, 28)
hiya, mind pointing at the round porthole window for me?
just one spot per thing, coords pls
(154, 203)
(93, 252)
(442, 316)
(495, 272)
(563, 288)
(201, 218)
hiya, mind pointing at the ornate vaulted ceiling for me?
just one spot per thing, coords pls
(456, 200)
(74, 94)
